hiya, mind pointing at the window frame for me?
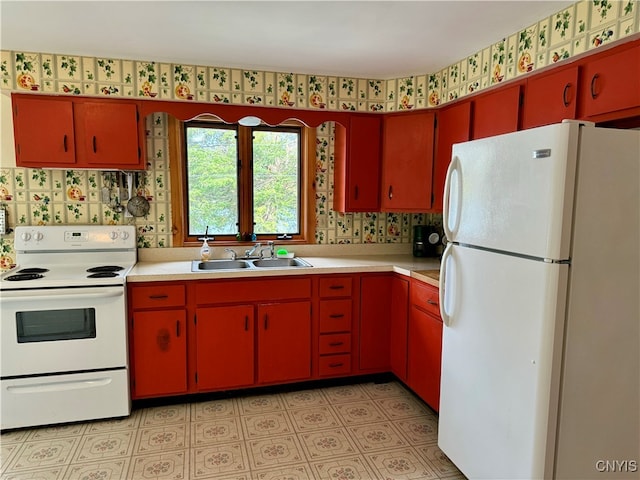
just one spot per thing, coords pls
(179, 201)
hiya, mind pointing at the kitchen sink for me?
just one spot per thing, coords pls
(280, 262)
(197, 266)
(228, 264)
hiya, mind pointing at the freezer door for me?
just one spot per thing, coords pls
(501, 351)
(514, 192)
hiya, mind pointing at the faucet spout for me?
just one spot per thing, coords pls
(251, 251)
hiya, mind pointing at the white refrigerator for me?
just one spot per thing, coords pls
(540, 299)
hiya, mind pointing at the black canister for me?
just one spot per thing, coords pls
(426, 239)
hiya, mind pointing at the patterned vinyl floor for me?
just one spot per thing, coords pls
(360, 431)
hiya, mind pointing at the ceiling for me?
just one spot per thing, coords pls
(359, 39)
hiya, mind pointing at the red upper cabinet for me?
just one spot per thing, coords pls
(77, 132)
(496, 112)
(610, 82)
(407, 161)
(43, 131)
(107, 135)
(454, 126)
(357, 164)
(551, 97)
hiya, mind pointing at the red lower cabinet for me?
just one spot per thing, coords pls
(399, 325)
(425, 344)
(284, 342)
(375, 310)
(225, 347)
(159, 353)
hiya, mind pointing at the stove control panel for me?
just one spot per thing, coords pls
(72, 237)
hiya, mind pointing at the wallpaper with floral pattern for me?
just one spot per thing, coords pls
(54, 196)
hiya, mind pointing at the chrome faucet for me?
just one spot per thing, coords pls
(271, 248)
(248, 253)
(233, 253)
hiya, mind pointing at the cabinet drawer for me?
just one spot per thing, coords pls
(158, 296)
(426, 297)
(335, 316)
(335, 343)
(334, 365)
(335, 287)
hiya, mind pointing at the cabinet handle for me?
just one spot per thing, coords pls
(266, 321)
(565, 100)
(336, 344)
(336, 315)
(177, 328)
(390, 192)
(593, 86)
(64, 142)
(336, 287)
(94, 144)
(246, 323)
(356, 192)
(158, 297)
(431, 302)
(334, 365)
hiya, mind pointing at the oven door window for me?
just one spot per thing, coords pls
(55, 325)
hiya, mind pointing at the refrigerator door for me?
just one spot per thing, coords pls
(500, 368)
(514, 192)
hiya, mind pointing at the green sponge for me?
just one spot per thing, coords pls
(282, 251)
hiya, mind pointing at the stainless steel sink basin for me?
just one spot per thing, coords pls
(228, 264)
(280, 262)
(197, 266)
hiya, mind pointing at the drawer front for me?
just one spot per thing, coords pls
(334, 365)
(335, 287)
(335, 343)
(335, 316)
(158, 296)
(426, 297)
(242, 291)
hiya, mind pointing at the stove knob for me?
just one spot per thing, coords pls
(26, 236)
(38, 236)
(113, 235)
(124, 235)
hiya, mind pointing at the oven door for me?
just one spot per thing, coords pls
(63, 330)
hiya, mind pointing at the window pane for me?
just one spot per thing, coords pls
(212, 180)
(276, 186)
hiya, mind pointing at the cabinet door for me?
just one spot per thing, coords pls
(454, 126)
(610, 82)
(284, 341)
(399, 325)
(375, 312)
(550, 98)
(407, 162)
(224, 347)
(159, 352)
(425, 356)
(107, 134)
(496, 113)
(43, 130)
(357, 165)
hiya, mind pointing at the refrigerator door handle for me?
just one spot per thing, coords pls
(446, 318)
(451, 219)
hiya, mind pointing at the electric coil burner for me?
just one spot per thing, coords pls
(63, 337)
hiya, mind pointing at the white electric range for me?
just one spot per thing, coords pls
(64, 353)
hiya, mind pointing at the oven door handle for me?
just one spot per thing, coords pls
(76, 295)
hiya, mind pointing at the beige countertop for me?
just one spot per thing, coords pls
(424, 269)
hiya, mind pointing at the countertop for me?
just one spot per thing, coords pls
(423, 269)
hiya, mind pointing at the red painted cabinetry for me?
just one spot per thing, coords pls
(357, 164)
(77, 132)
(375, 312)
(425, 343)
(158, 340)
(398, 334)
(550, 97)
(496, 112)
(407, 161)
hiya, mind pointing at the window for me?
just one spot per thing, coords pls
(242, 182)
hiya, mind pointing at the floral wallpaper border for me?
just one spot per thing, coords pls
(34, 196)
